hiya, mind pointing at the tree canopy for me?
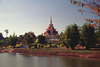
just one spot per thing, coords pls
(29, 38)
(88, 36)
(98, 32)
(41, 39)
(71, 36)
(93, 6)
(12, 40)
(2, 43)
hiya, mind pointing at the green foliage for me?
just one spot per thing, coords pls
(1, 36)
(61, 45)
(54, 45)
(98, 32)
(35, 45)
(12, 40)
(63, 39)
(29, 38)
(72, 36)
(2, 43)
(42, 45)
(41, 39)
(88, 37)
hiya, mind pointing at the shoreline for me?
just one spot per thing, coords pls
(95, 55)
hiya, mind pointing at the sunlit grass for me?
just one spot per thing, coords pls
(58, 50)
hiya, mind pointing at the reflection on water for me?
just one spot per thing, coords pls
(27, 60)
(80, 62)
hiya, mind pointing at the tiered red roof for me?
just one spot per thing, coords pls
(50, 28)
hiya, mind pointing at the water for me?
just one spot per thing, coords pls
(26, 60)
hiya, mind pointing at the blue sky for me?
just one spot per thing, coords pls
(20, 16)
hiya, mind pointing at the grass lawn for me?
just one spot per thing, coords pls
(60, 50)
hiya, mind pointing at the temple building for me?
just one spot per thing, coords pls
(51, 34)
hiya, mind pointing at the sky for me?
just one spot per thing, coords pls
(21, 16)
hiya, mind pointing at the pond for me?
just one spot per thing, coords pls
(28, 60)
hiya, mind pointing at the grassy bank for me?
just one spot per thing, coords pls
(55, 52)
(60, 50)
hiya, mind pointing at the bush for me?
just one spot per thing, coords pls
(98, 41)
(42, 45)
(2, 43)
(61, 45)
(54, 45)
(41, 39)
(12, 40)
(48, 45)
(35, 45)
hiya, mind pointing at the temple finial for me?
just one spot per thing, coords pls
(51, 20)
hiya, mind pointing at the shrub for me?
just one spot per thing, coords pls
(35, 45)
(54, 45)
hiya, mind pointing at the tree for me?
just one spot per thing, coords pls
(12, 40)
(1, 36)
(72, 36)
(93, 6)
(63, 39)
(20, 38)
(41, 39)
(61, 36)
(2, 43)
(88, 36)
(98, 35)
(29, 38)
(98, 32)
